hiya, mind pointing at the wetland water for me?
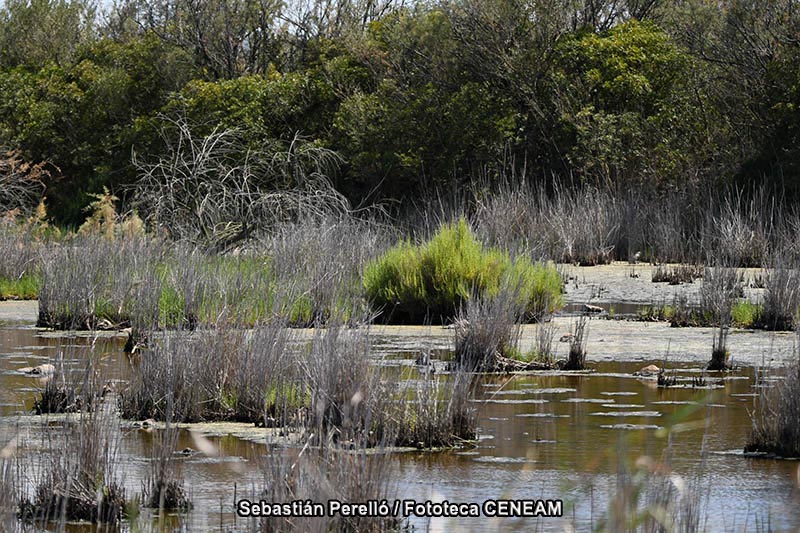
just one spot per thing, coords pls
(542, 435)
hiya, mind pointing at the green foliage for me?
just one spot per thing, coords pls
(430, 282)
(412, 98)
(628, 105)
(80, 117)
(37, 32)
(24, 288)
(746, 314)
(264, 107)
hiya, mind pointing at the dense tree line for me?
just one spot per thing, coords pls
(410, 96)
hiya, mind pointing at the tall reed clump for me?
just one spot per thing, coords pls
(487, 333)
(77, 478)
(163, 487)
(436, 412)
(572, 225)
(431, 281)
(216, 374)
(322, 260)
(576, 359)
(782, 297)
(91, 281)
(722, 286)
(20, 247)
(776, 420)
(350, 403)
(355, 403)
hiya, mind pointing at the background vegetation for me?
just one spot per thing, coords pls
(404, 97)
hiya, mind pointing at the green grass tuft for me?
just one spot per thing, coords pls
(431, 281)
(746, 314)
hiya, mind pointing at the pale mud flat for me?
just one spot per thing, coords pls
(626, 283)
(620, 341)
(19, 312)
(608, 340)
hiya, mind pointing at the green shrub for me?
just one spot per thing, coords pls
(430, 282)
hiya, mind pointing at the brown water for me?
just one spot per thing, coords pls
(543, 435)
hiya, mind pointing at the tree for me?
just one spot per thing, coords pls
(36, 32)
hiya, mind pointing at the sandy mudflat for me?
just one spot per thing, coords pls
(19, 312)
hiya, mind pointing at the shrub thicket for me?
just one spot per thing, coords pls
(431, 281)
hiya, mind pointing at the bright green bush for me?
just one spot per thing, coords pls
(430, 282)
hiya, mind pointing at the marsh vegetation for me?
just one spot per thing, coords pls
(248, 190)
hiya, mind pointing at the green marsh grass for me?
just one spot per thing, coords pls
(431, 281)
(24, 288)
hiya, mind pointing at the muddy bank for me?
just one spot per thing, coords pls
(19, 312)
(616, 340)
(625, 283)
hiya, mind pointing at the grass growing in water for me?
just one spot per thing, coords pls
(776, 421)
(431, 281)
(78, 479)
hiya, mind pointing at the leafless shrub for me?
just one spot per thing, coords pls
(214, 193)
(21, 183)
(776, 420)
